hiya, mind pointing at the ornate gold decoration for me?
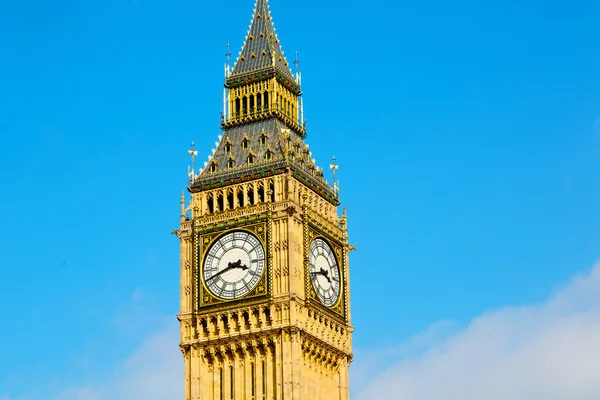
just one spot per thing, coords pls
(338, 310)
(207, 298)
(279, 330)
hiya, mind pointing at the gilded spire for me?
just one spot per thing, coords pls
(261, 50)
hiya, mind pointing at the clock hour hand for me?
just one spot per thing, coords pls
(324, 273)
(231, 266)
(238, 264)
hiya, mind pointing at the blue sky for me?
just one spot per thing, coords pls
(468, 138)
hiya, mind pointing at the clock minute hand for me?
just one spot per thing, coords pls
(231, 265)
(221, 272)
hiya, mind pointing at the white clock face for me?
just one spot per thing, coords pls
(324, 272)
(233, 265)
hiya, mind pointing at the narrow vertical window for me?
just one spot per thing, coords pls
(230, 198)
(221, 384)
(241, 198)
(253, 377)
(231, 383)
(264, 380)
(250, 195)
(261, 195)
(211, 205)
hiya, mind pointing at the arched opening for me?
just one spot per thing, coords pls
(230, 200)
(220, 203)
(237, 107)
(211, 204)
(272, 190)
(261, 194)
(246, 319)
(250, 195)
(240, 196)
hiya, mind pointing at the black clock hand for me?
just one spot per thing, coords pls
(237, 264)
(221, 272)
(324, 273)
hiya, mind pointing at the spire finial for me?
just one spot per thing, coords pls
(193, 153)
(182, 205)
(228, 54)
(297, 62)
(334, 167)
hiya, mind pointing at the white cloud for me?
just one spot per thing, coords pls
(549, 351)
(154, 371)
(543, 352)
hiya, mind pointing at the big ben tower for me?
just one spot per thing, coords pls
(265, 297)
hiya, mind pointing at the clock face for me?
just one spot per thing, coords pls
(233, 265)
(324, 272)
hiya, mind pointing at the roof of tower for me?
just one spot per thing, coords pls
(271, 144)
(261, 49)
(260, 148)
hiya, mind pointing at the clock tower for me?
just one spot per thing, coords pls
(265, 294)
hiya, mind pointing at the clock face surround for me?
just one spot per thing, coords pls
(324, 272)
(233, 265)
